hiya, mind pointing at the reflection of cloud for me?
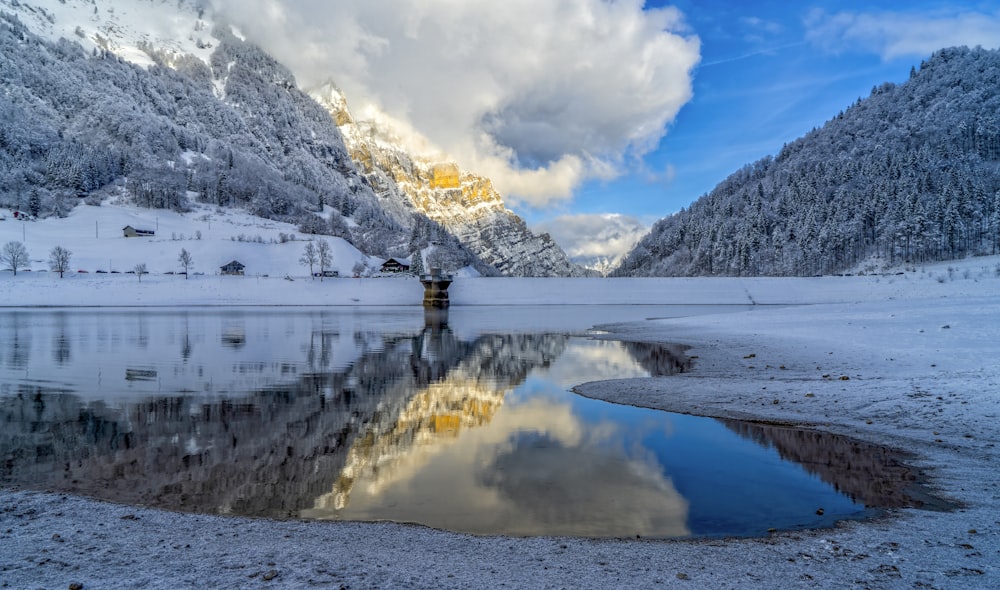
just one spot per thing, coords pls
(583, 482)
(897, 34)
(593, 360)
(536, 95)
(561, 490)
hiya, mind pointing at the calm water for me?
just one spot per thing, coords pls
(463, 423)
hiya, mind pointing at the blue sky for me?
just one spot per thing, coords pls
(594, 118)
(759, 84)
(768, 74)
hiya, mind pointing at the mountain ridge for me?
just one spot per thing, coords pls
(910, 174)
(465, 204)
(197, 113)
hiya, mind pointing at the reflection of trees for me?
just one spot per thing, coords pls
(141, 336)
(61, 347)
(18, 327)
(659, 359)
(271, 452)
(186, 339)
(234, 334)
(868, 474)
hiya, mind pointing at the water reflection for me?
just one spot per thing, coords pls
(391, 415)
(533, 469)
(867, 473)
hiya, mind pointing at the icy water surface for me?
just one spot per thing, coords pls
(462, 423)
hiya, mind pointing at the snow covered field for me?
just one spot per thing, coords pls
(906, 360)
(271, 251)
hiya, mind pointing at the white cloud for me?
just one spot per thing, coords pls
(588, 238)
(899, 34)
(539, 95)
(759, 28)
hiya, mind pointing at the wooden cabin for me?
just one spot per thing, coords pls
(232, 268)
(395, 265)
(132, 232)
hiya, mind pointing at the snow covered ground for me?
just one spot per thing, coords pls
(906, 360)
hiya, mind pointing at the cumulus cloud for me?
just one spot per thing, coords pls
(537, 95)
(899, 34)
(595, 240)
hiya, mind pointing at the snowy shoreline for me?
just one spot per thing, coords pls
(918, 355)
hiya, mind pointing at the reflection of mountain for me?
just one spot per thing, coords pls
(394, 442)
(451, 460)
(467, 395)
(868, 474)
(659, 359)
(274, 450)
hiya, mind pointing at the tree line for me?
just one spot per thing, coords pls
(909, 174)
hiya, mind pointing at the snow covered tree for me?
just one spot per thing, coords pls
(908, 174)
(139, 270)
(417, 263)
(309, 257)
(14, 255)
(359, 269)
(34, 203)
(185, 261)
(338, 227)
(59, 260)
(325, 257)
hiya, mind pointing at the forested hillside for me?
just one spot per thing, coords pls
(231, 130)
(72, 124)
(909, 174)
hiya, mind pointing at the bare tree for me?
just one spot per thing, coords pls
(309, 257)
(59, 260)
(325, 257)
(14, 255)
(186, 261)
(140, 269)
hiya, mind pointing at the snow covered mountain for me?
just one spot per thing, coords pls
(462, 203)
(154, 103)
(910, 174)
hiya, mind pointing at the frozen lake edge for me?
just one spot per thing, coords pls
(902, 348)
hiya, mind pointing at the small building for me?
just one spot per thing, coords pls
(131, 232)
(395, 265)
(233, 268)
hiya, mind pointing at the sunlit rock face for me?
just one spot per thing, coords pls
(465, 203)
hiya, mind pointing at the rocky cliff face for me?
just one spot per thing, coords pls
(114, 86)
(464, 203)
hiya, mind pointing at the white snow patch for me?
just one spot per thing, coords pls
(122, 26)
(918, 351)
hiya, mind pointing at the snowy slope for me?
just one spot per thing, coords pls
(264, 146)
(181, 27)
(212, 236)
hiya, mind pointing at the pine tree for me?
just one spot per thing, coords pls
(34, 203)
(417, 263)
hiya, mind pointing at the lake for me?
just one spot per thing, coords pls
(461, 421)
